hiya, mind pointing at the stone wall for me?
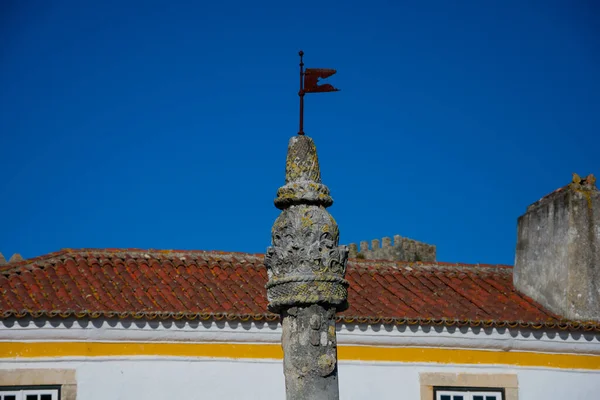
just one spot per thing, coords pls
(402, 249)
(558, 244)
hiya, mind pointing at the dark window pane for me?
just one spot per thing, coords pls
(490, 397)
(32, 397)
(46, 397)
(445, 397)
(10, 397)
(459, 397)
(478, 397)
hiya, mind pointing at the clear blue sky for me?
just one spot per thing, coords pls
(165, 124)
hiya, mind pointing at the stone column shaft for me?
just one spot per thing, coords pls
(310, 353)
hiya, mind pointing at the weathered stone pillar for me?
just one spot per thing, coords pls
(306, 269)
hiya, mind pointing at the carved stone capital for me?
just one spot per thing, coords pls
(305, 264)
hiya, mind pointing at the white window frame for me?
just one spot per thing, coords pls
(21, 392)
(468, 393)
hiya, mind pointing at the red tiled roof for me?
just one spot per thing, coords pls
(197, 284)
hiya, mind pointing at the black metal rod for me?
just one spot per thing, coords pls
(301, 94)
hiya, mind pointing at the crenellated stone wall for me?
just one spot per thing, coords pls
(402, 249)
(14, 259)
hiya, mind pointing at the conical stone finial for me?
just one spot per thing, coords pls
(302, 176)
(305, 264)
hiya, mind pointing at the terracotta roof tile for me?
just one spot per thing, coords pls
(198, 284)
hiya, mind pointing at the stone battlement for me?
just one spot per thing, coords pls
(14, 259)
(403, 249)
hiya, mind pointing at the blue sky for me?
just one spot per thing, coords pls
(165, 124)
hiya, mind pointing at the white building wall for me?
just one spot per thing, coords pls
(549, 365)
(159, 379)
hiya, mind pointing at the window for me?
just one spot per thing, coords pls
(468, 394)
(468, 386)
(30, 393)
(38, 384)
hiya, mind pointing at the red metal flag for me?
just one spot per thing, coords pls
(309, 83)
(311, 80)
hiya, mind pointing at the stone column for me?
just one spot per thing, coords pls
(306, 269)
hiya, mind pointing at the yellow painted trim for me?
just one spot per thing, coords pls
(14, 350)
(463, 356)
(118, 349)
